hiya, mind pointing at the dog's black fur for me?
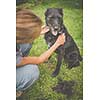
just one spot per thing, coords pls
(69, 51)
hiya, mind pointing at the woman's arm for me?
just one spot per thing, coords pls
(43, 57)
(40, 59)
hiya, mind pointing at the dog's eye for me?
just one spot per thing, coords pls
(49, 17)
(59, 17)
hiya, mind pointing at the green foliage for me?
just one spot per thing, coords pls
(73, 17)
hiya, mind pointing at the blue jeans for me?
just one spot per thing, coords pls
(26, 76)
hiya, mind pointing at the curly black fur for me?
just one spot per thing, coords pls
(69, 51)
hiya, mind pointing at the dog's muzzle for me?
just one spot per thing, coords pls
(55, 31)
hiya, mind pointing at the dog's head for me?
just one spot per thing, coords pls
(54, 19)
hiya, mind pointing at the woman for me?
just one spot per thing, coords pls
(28, 28)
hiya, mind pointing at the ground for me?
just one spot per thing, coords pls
(73, 20)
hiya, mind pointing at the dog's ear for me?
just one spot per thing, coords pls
(46, 12)
(60, 11)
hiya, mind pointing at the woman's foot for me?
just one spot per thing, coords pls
(19, 93)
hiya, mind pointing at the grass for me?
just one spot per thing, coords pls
(42, 89)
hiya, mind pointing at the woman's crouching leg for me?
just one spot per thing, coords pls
(26, 76)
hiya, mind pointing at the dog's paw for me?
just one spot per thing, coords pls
(70, 66)
(55, 73)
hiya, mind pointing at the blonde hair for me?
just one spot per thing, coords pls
(28, 26)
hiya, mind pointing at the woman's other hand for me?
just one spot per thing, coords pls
(44, 29)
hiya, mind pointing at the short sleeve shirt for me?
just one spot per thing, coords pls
(22, 50)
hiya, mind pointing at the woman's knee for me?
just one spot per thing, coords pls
(35, 72)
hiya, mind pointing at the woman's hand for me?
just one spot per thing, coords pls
(60, 40)
(44, 29)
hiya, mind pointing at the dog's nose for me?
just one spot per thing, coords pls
(56, 27)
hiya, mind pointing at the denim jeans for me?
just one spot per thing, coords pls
(26, 76)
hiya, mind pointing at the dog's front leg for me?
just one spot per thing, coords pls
(59, 62)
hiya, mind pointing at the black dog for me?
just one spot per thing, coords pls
(69, 51)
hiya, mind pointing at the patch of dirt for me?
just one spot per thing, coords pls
(65, 87)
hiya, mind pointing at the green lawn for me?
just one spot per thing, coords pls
(73, 20)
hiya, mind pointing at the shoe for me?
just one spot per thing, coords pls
(19, 93)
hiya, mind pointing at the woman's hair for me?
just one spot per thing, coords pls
(28, 26)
